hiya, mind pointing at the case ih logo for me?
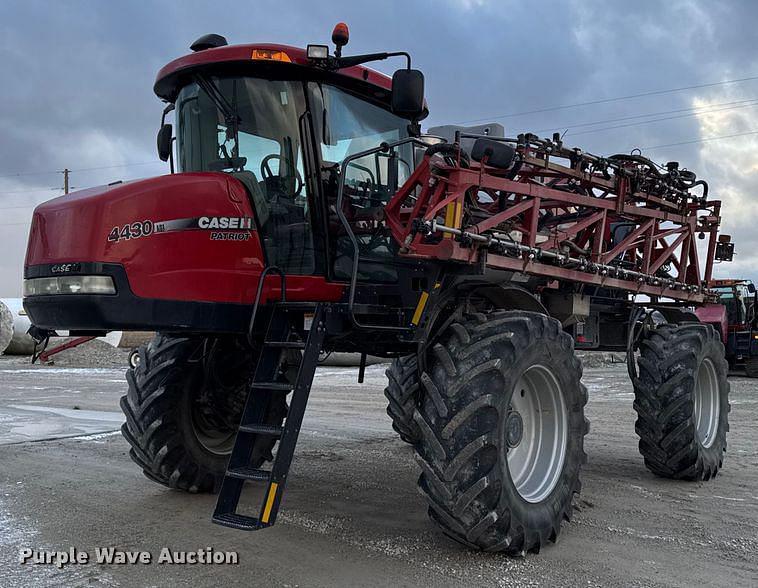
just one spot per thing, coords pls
(62, 268)
(225, 222)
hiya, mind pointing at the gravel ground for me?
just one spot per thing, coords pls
(100, 354)
(92, 354)
(352, 515)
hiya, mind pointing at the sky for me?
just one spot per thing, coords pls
(76, 83)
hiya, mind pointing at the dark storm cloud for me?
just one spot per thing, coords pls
(76, 77)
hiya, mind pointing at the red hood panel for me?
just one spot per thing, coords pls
(181, 263)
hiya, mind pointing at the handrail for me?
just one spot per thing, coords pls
(383, 148)
(261, 280)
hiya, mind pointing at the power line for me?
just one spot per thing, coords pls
(115, 166)
(29, 191)
(654, 120)
(83, 169)
(749, 102)
(30, 174)
(705, 140)
(607, 100)
(20, 207)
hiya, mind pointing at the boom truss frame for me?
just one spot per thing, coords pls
(556, 213)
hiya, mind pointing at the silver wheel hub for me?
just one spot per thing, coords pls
(707, 399)
(536, 433)
(514, 429)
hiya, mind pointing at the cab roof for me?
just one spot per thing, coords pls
(244, 58)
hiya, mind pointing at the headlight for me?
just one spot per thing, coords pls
(69, 285)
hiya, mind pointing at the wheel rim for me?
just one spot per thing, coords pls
(535, 457)
(211, 436)
(707, 403)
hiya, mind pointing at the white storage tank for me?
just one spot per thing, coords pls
(14, 324)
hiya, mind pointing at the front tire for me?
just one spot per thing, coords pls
(682, 401)
(502, 424)
(183, 406)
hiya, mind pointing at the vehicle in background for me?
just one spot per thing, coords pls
(740, 299)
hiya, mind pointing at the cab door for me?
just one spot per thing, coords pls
(346, 125)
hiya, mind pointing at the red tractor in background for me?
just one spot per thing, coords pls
(741, 302)
(310, 214)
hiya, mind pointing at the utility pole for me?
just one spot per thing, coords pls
(65, 181)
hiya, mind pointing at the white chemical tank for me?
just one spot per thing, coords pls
(6, 327)
(14, 324)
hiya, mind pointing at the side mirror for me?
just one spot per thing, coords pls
(165, 134)
(751, 288)
(408, 93)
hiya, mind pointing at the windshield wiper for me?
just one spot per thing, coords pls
(231, 119)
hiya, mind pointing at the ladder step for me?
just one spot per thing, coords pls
(249, 473)
(272, 430)
(237, 521)
(272, 386)
(285, 344)
(280, 329)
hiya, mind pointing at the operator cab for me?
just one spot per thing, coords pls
(283, 123)
(739, 298)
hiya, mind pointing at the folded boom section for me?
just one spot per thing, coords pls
(534, 206)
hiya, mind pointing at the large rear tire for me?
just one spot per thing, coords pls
(183, 407)
(502, 424)
(402, 395)
(682, 401)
